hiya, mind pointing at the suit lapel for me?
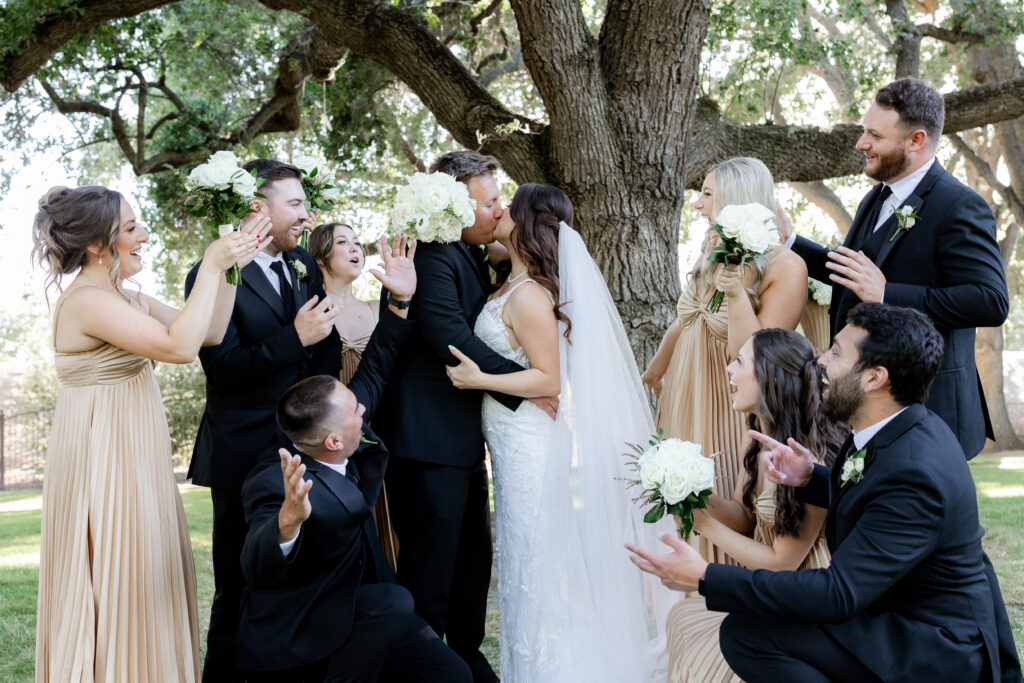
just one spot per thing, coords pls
(474, 262)
(858, 231)
(347, 493)
(254, 278)
(892, 225)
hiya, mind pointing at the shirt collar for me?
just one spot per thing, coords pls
(265, 259)
(339, 468)
(902, 188)
(861, 438)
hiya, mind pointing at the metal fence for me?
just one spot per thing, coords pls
(25, 434)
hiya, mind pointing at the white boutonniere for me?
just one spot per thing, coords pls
(905, 219)
(300, 269)
(853, 468)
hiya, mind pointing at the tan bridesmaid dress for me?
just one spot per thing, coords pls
(692, 631)
(117, 585)
(695, 404)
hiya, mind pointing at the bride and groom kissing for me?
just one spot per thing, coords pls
(531, 368)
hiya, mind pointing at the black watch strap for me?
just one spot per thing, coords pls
(700, 583)
(400, 305)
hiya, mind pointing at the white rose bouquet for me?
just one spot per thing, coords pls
(675, 477)
(320, 191)
(433, 207)
(219, 192)
(819, 292)
(746, 232)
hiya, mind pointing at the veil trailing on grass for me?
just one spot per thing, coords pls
(615, 613)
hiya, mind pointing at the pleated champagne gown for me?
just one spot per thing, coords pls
(117, 585)
(695, 404)
(692, 631)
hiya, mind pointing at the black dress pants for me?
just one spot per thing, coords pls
(229, 531)
(443, 522)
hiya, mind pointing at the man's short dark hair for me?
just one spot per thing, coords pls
(305, 409)
(464, 165)
(903, 341)
(269, 170)
(918, 104)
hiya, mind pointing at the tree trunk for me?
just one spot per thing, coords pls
(988, 351)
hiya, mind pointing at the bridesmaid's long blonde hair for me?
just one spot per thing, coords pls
(740, 180)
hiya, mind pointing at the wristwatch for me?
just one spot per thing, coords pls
(400, 305)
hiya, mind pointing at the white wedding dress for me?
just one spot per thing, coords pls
(571, 605)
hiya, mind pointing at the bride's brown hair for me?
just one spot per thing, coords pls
(537, 211)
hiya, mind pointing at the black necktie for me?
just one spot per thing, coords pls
(287, 297)
(876, 211)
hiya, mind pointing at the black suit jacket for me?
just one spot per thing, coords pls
(907, 591)
(948, 266)
(299, 609)
(423, 416)
(246, 374)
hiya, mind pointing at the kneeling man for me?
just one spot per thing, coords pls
(909, 595)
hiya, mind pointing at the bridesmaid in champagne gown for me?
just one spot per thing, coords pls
(341, 258)
(117, 586)
(786, 535)
(687, 373)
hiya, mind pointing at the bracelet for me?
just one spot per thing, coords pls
(400, 305)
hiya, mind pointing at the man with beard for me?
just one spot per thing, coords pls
(281, 331)
(909, 594)
(921, 239)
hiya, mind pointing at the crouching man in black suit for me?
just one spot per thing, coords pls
(909, 595)
(322, 602)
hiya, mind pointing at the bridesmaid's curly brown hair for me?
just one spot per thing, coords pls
(537, 211)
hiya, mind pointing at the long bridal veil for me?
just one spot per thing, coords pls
(614, 613)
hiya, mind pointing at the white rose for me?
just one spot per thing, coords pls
(652, 469)
(222, 166)
(676, 487)
(757, 237)
(699, 473)
(331, 193)
(244, 184)
(306, 163)
(200, 176)
(848, 468)
(731, 219)
(858, 464)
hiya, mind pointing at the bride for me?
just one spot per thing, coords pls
(570, 608)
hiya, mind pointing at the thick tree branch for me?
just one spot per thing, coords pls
(948, 36)
(20, 61)
(822, 196)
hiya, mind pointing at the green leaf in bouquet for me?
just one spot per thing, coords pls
(655, 513)
(312, 174)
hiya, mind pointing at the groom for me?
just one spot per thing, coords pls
(909, 594)
(437, 480)
(946, 265)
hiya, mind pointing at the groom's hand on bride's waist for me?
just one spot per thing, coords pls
(549, 404)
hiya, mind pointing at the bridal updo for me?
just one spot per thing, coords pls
(537, 211)
(68, 221)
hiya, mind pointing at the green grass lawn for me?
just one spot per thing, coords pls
(1000, 483)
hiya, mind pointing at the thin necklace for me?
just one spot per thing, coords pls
(513, 279)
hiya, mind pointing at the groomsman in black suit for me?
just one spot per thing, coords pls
(437, 481)
(276, 337)
(944, 261)
(321, 602)
(909, 594)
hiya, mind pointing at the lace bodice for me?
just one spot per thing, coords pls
(491, 328)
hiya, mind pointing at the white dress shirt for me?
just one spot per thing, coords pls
(901, 189)
(861, 438)
(287, 546)
(264, 260)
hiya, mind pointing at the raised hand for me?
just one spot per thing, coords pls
(783, 226)
(679, 569)
(399, 276)
(224, 252)
(465, 375)
(314, 320)
(296, 507)
(784, 463)
(259, 225)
